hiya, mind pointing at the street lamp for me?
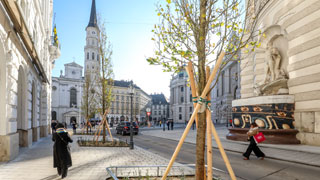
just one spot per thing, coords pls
(131, 92)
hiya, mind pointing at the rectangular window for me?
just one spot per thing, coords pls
(180, 109)
(190, 108)
(180, 116)
(182, 99)
(159, 112)
(190, 97)
(181, 88)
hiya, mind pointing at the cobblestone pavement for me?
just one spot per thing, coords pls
(89, 163)
(303, 154)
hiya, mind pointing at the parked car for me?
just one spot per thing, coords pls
(124, 128)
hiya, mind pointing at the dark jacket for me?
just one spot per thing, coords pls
(61, 150)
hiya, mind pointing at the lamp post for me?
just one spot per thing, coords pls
(131, 92)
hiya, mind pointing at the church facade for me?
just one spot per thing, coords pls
(27, 55)
(68, 89)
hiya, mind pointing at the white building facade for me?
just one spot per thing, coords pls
(226, 90)
(68, 88)
(27, 55)
(181, 106)
(67, 94)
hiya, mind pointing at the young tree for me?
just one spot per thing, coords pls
(198, 31)
(105, 82)
(88, 106)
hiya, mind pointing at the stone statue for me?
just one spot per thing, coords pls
(272, 68)
(275, 81)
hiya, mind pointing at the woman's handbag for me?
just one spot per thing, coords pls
(258, 138)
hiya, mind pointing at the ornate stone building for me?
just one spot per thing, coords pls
(67, 94)
(27, 54)
(280, 80)
(181, 106)
(159, 108)
(226, 90)
(68, 88)
(121, 105)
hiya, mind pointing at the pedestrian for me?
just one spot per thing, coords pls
(53, 126)
(160, 123)
(254, 129)
(74, 127)
(171, 124)
(230, 122)
(194, 122)
(168, 122)
(61, 150)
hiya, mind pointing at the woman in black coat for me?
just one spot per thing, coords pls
(61, 151)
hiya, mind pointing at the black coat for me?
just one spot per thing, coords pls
(61, 150)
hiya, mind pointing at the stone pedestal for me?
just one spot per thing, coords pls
(9, 147)
(25, 137)
(35, 134)
(43, 131)
(273, 114)
(273, 136)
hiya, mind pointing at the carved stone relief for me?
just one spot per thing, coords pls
(276, 62)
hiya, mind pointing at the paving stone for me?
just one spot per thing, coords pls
(88, 162)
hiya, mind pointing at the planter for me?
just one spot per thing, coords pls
(89, 143)
(155, 172)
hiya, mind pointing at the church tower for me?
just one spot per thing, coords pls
(91, 49)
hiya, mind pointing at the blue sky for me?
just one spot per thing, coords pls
(128, 24)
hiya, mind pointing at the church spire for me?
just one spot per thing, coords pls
(93, 15)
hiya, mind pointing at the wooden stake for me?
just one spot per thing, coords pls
(185, 133)
(209, 138)
(223, 153)
(190, 72)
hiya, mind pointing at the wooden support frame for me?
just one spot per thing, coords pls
(194, 93)
(104, 120)
(209, 137)
(186, 131)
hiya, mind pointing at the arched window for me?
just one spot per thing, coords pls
(87, 55)
(73, 97)
(54, 115)
(92, 56)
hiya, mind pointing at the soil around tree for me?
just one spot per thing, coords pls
(90, 143)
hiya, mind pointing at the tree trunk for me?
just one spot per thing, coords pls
(87, 124)
(200, 149)
(201, 131)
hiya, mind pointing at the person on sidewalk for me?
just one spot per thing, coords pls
(171, 124)
(53, 126)
(254, 129)
(61, 150)
(74, 127)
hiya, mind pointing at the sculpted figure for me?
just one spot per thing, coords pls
(272, 68)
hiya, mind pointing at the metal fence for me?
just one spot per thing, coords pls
(116, 172)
